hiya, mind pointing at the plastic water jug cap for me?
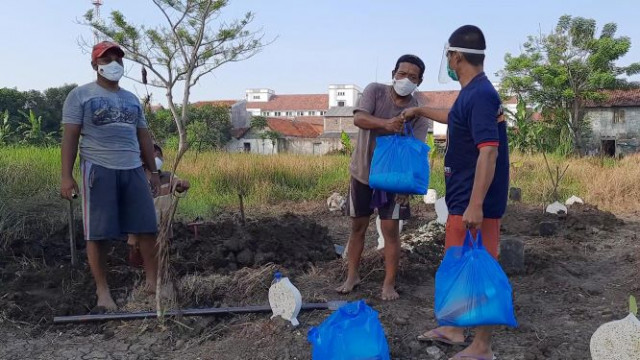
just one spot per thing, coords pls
(277, 275)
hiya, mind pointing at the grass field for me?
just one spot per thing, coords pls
(29, 181)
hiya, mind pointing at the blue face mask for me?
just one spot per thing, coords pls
(452, 73)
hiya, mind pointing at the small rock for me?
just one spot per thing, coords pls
(245, 257)
(515, 194)
(556, 208)
(592, 289)
(401, 321)
(574, 200)
(179, 344)
(108, 334)
(435, 353)
(512, 256)
(547, 228)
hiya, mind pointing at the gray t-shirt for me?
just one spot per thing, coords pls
(376, 100)
(110, 121)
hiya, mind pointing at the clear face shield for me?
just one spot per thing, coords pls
(443, 75)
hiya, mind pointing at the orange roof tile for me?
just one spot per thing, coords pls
(615, 98)
(288, 127)
(293, 102)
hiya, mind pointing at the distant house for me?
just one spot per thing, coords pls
(292, 137)
(615, 123)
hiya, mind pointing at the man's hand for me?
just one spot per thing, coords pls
(395, 125)
(68, 188)
(402, 199)
(409, 113)
(472, 217)
(154, 180)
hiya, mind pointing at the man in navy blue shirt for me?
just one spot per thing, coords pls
(476, 165)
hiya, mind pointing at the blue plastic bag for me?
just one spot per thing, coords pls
(400, 164)
(353, 332)
(472, 289)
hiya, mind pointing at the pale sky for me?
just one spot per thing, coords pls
(318, 42)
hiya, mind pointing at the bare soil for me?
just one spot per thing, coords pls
(575, 280)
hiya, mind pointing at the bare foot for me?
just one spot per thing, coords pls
(389, 293)
(476, 351)
(106, 301)
(348, 285)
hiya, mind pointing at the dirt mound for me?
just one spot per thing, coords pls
(290, 240)
(579, 224)
(37, 282)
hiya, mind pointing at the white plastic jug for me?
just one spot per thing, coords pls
(285, 299)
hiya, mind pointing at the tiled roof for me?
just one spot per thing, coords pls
(239, 132)
(618, 98)
(228, 103)
(439, 99)
(288, 127)
(313, 120)
(293, 102)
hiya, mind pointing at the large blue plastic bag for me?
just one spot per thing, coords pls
(472, 289)
(400, 164)
(353, 332)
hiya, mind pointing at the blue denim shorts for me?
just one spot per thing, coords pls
(116, 202)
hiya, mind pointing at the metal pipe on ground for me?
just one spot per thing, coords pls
(58, 320)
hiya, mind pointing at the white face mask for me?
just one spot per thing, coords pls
(404, 87)
(111, 71)
(159, 163)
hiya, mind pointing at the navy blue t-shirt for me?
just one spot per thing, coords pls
(472, 124)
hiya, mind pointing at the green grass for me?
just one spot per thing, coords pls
(30, 178)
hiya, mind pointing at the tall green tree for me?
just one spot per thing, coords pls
(210, 125)
(561, 71)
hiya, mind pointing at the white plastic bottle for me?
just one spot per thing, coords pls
(285, 299)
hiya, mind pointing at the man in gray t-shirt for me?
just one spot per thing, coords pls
(379, 113)
(109, 124)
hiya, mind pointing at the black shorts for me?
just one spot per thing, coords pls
(359, 204)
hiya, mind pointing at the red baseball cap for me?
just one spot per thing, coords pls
(100, 48)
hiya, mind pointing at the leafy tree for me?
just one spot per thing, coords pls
(32, 133)
(6, 133)
(561, 71)
(258, 122)
(525, 134)
(271, 135)
(345, 140)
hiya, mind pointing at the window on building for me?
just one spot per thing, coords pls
(341, 103)
(247, 147)
(322, 112)
(277, 113)
(265, 113)
(312, 113)
(618, 116)
(256, 97)
(300, 113)
(289, 113)
(340, 93)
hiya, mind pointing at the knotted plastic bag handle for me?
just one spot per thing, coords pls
(469, 242)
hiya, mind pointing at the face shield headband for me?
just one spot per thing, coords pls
(443, 75)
